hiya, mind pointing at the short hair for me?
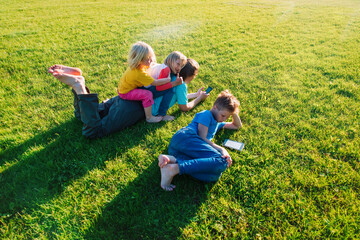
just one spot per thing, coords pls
(226, 100)
(189, 69)
(139, 52)
(173, 57)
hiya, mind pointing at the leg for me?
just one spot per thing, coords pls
(203, 169)
(64, 69)
(120, 114)
(165, 159)
(76, 82)
(76, 103)
(89, 105)
(165, 102)
(200, 160)
(167, 174)
(146, 98)
(149, 117)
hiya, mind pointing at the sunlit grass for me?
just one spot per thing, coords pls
(294, 65)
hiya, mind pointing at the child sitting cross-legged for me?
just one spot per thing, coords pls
(191, 150)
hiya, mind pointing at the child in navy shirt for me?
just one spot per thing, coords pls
(191, 150)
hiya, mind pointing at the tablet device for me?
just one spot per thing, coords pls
(208, 90)
(233, 144)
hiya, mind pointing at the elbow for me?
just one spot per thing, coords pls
(237, 126)
(185, 108)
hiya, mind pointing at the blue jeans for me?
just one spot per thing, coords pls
(165, 102)
(196, 157)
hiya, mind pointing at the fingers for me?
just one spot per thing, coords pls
(229, 161)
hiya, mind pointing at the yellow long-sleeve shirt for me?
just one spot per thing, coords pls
(134, 78)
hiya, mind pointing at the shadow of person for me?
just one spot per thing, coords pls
(143, 210)
(40, 168)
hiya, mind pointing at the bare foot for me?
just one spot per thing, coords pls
(76, 82)
(165, 159)
(167, 174)
(154, 119)
(64, 69)
(168, 118)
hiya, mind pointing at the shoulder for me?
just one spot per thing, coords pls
(157, 66)
(203, 114)
(182, 87)
(142, 72)
(129, 72)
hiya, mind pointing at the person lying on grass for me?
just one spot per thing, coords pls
(191, 150)
(181, 96)
(99, 119)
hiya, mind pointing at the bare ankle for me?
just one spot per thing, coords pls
(80, 89)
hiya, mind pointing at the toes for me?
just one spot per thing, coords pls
(168, 118)
(163, 163)
(168, 188)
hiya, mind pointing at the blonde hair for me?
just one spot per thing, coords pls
(226, 100)
(139, 52)
(173, 57)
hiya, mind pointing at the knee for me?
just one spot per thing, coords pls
(149, 95)
(222, 164)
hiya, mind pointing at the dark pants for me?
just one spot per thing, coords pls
(165, 102)
(110, 116)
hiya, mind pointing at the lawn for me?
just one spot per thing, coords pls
(294, 65)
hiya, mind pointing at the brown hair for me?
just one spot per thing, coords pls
(189, 69)
(226, 100)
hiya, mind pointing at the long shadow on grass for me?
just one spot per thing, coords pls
(43, 166)
(144, 211)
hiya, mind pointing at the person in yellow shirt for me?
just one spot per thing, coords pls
(132, 82)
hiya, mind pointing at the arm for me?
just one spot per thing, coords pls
(177, 82)
(202, 131)
(236, 121)
(195, 95)
(199, 96)
(161, 81)
(164, 73)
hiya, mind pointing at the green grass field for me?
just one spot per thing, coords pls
(294, 65)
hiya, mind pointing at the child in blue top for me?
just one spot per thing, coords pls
(191, 150)
(181, 96)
